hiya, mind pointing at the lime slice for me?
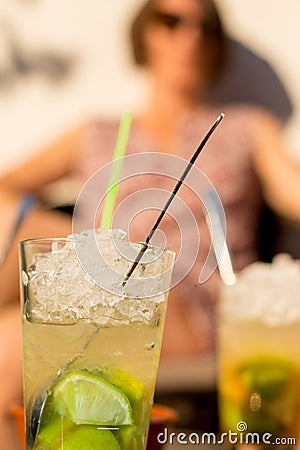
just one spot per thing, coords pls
(53, 427)
(128, 384)
(87, 399)
(124, 435)
(267, 376)
(87, 437)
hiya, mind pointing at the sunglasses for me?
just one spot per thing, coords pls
(174, 21)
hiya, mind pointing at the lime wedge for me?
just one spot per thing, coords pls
(267, 376)
(52, 427)
(87, 437)
(124, 435)
(128, 384)
(87, 399)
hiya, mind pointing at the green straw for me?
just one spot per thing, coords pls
(113, 182)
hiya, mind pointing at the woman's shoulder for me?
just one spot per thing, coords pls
(236, 113)
(245, 116)
(97, 144)
(100, 135)
(242, 122)
(102, 125)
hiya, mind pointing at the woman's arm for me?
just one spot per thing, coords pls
(279, 174)
(48, 166)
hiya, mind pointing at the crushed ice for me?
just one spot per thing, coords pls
(265, 292)
(60, 291)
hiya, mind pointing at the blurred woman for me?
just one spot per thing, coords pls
(182, 47)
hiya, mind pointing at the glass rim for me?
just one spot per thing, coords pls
(28, 241)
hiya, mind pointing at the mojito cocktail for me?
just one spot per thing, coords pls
(90, 355)
(259, 359)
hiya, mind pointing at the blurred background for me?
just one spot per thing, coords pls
(62, 63)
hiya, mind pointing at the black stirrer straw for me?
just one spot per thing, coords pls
(170, 199)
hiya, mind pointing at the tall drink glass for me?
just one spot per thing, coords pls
(90, 355)
(258, 355)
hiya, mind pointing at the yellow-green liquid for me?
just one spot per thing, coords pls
(259, 376)
(52, 351)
